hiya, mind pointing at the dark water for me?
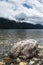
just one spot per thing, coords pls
(9, 37)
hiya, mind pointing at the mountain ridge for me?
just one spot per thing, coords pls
(11, 24)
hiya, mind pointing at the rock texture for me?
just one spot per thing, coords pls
(25, 49)
(26, 52)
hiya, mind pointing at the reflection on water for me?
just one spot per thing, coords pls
(9, 37)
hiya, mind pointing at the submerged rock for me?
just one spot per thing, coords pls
(25, 49)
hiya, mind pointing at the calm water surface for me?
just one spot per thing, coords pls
(11, 36)
(17, 34)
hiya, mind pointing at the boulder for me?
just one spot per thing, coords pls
(25, 49)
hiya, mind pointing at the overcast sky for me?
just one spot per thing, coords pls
(30, 10)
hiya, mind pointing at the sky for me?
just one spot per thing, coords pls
(30, 11)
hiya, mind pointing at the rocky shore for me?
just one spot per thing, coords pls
(26, 52)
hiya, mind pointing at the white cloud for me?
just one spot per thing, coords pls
(13, 8)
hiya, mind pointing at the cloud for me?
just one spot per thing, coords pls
(29, 10)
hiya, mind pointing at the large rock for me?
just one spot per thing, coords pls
(25, 49)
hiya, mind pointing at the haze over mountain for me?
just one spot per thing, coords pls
(30, 11)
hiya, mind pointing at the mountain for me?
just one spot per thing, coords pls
(11, 24)
(27, 11)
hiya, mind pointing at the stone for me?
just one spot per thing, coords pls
(36, 59)
(11, 64)
(2, 63)
(25, 49)
(31, 62)
(7, 59)
(22, 63)
(18, 60)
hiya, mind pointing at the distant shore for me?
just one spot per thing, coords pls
(12, 24)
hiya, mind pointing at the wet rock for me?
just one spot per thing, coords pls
(25, 49)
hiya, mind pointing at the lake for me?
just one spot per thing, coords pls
(10, 36)
(20, 34)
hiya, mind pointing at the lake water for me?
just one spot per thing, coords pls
(10, 36)
(20, 34)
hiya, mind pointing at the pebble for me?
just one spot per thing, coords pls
(22, 63)
(2, 63)
(11, 64)
(36, 59)
(18, 60)
(31, 62)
